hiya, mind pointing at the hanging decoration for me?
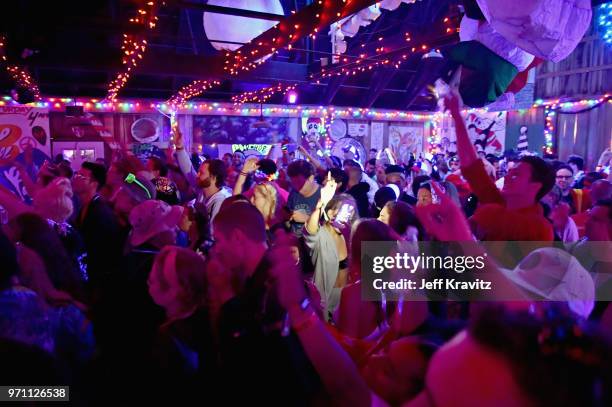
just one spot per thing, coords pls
(192, 90)
(501, 40)
(349, 26)
(237, 30)
(262, 95)
(135, 44)
(308, 21)
(18, 74)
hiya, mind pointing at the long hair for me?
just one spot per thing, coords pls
(268, 191)
(34, 232)
(190, 271)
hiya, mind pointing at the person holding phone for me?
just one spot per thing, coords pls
(327, 242)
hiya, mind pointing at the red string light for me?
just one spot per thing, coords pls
(19, 75)
(382, 56)
(261, 95)
(285, 34)
(134, 44)
(190, 91)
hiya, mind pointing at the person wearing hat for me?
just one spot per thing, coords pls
(154, 225)
(396, 175)
(133, 191)
(126, 318)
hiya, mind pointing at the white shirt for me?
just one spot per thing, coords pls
(213, 203)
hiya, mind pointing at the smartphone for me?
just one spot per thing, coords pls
(345, 214)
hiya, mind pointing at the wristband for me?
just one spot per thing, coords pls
(244, 173)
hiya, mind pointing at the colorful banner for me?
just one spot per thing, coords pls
(24, 139)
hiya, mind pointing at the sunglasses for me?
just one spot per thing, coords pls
(131, 179)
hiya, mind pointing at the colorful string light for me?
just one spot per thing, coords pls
(262, 95)
(549, 129)
(192, 90)
(604, 22)
(552, 107)
(134, 44)
(214, 108)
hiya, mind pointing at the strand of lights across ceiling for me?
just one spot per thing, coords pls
(383, 55)
(135, 44)
(284, 34)
(192, 90)
(19, 75)
(262, 95)
(58, 104)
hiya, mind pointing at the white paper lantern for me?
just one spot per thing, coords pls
(235, 28)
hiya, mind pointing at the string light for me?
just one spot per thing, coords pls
(549, 129)
(19, 75)
(134, 44)
(604, 22)
(383, 55)
(190, 91)
(227, 109)
(262, 95)
(287, 32)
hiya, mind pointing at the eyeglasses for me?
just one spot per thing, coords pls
(131, 179)
(564, 176)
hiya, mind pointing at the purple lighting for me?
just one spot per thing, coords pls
(292, 97)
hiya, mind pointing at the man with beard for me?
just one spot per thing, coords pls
(211, 181)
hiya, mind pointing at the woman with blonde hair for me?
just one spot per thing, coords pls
(265, 199)
(182, 351)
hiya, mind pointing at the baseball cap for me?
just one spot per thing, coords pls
(553, 274)
(152, 217)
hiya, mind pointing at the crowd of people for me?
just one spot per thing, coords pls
(238, 280)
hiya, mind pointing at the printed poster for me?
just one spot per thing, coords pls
(406, 140)
(487, 131)
(377, 136)
(24, 139)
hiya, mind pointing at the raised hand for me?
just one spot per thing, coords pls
(178, 137)
(250, 165)
(445, 221)
(329, 190)
(284, 273)
(452, 101)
